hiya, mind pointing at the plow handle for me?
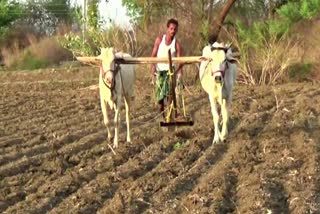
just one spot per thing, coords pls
(172, 82)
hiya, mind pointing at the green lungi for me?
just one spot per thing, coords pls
(162, 85)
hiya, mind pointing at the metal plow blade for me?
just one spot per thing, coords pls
(177, 123)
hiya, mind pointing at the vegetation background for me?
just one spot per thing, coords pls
(277, 39)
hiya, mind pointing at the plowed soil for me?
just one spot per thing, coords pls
(55, 158)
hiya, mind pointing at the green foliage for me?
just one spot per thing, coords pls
(77, 45)
(300, 71)
(259, 32)
(93, 11)
(60, 9)
(309, 8)
(114, 36)
(267, 47)
(295, 11)
(289, 12)
(95, 37)
(250, 10)
(177, 145)
(44, 16)
(10, 11)
(135, 8)
(204, 30)
(88, 44)
(144, 12)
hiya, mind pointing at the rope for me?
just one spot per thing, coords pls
(123, 91)
(150, 120)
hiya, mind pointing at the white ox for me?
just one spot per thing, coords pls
(217, 76)
(115, 81)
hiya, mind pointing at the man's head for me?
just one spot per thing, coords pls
(172, 27)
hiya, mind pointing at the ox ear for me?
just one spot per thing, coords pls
(232, 61)
(111, 50)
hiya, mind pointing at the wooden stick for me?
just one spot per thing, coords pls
(89, 59)
(148, 60)
(112, 149)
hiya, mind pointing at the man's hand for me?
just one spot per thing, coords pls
(179, 75)
(179, 83)
(153, 73)
(153, 78)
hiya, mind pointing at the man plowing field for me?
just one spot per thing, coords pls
(160, 71)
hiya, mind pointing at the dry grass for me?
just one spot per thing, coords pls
(273, 61)
(10, 54)
(270, 63)
(48, 49)
(45, 51)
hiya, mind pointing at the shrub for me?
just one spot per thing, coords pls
(115, 36)
(48, 49)
(300, 71)
(40, 53)
(268, 49)
(26, 60)
(265, 56)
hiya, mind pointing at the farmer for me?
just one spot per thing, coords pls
(160, 71)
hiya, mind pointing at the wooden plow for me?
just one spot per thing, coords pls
(171, 117)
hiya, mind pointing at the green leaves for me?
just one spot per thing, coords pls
(9, 12)
(295, 11)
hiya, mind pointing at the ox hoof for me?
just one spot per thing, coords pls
(115, 142)
(215, 141)
(223, 139)
(110, 138)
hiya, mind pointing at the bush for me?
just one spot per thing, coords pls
(49, 49)
(40, 53)
(268, 49)
(115, 36)
(29, 62)
(299, 72)
(265, 56)
(293, 12)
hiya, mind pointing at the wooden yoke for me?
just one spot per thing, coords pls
(148, 60)
(143, 60)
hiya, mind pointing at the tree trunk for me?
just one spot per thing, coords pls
(217, 24)
(210, 11)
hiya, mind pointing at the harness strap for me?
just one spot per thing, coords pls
(218, 71)
(223, 72)
(114, 72)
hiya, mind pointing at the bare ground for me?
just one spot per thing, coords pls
(54, 156)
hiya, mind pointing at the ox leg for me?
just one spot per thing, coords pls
(215, 116)
(116, 125)
(225, 119)
(104, 109)
(127, 105)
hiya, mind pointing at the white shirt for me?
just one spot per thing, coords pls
(163, 52)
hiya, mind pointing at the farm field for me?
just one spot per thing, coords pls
(54, 156)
